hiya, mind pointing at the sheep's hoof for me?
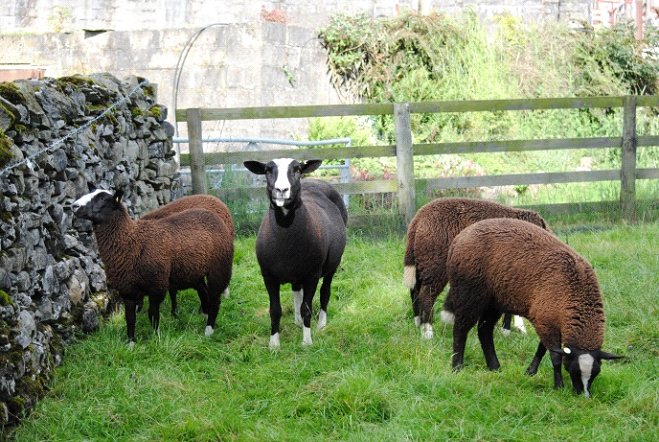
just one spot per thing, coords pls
(131, 345)
(209, 330)
(322, 320)
(426, 331)
(505, 332)
(274, 342)
(306, 336)
(417, 321)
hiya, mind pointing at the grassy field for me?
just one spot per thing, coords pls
(368, 375)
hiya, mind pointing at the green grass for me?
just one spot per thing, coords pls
(368, 375)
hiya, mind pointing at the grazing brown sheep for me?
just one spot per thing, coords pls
(508, 265)
(429, 236)
(148, 257)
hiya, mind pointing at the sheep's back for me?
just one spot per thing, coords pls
(184, 247)
(207, 202)
(437, 223)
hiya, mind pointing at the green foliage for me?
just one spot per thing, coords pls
(616, 53)
(368, 375)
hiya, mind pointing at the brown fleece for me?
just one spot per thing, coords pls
(207, 202)
(516, 267)
(431, 232)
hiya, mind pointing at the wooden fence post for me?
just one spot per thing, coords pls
(197, 164)
(405, 159)
(628, 168)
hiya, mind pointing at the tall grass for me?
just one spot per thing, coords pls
(368, 375)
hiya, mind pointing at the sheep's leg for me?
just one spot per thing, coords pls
(297, 303)
(535, 363)
(556, 360)
(325, 292)
(426, 305)
(154, 310)
(486, 337)
(172, 298)
(272, 286)
(461, 328)
(202, 292)
(416, 306)
(507, 320)
(212, 308)
(130, 310)
(309, 290)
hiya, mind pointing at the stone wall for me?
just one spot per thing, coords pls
(57, 138)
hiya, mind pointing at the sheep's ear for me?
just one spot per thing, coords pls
(311, 165)
(605, 355)
(255, 167)
(118, 194)
(565, 352)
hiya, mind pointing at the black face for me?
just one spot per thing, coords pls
(96, 206)
(283, 178)
(583, 367)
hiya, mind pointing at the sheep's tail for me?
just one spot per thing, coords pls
(409, 273)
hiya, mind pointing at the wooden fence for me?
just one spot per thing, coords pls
(404, 150)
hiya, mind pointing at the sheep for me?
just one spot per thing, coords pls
(149, 257)
(301, 239)
(207, 202)
(508, 265)
(429, 236)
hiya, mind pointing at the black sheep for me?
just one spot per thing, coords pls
(301, 239)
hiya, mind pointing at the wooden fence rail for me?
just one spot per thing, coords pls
(404, 150)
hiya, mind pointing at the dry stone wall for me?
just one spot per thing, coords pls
(58, 137)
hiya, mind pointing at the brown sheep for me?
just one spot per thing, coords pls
(429, 236)
(148, 257)
(508, 265)
(207, 202)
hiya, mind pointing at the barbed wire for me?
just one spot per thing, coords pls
(76, 131)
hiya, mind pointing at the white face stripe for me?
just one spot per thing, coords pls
(90, 196)
(282, 188)
(282, 182)
(586, 363)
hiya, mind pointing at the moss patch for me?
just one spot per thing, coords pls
(5, 149)
(11, 92)
(5, 299)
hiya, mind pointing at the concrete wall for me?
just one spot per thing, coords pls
(241, 60)
(129, 15)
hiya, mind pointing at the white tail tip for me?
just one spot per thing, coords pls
(409, 276)
(447, 317)
(518, 322)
